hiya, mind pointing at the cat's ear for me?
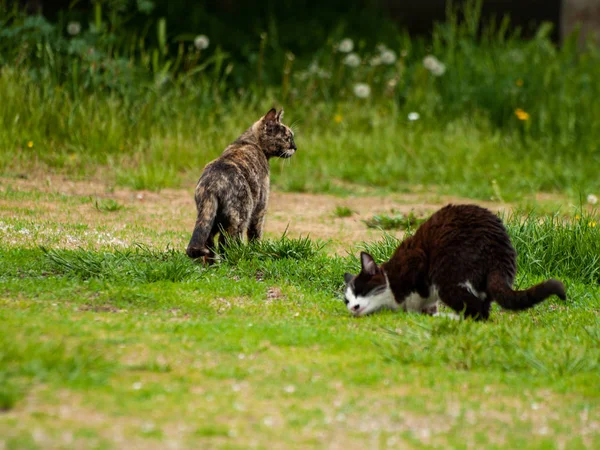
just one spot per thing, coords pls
(368, 264)
(348, 277)
(271, 116)
(279, 116)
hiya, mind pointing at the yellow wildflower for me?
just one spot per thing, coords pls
(519, 82)
(521, 114)
(338, 118)
(592, 224)
(30, 144)
(577, 217)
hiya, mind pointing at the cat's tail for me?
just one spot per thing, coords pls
(207, 211)
(500, 291)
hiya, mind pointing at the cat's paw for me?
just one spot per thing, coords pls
(197, 252)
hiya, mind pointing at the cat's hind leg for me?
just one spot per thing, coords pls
(257, 218)
(462, 300)
(232, 233)
(207, 209)
(255, 227)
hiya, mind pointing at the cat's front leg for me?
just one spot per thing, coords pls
(430, 310)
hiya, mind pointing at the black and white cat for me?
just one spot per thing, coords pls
(462, 256)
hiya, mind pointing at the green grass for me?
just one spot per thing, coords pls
(343, 211)
(107, 205)
(396, 221)
(150, 346)
(111, 336)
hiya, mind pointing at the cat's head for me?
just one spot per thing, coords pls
(275, 138)
(368, 291)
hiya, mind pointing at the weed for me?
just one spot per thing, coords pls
(107, 205)
(343, 211)
(397, 221)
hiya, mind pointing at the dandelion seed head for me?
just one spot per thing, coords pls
(388, 57)
(592, 199)
(346, 45)
(381, 47)
(352, 60)
(375, 61)
(413, 116)
(201, 42)
(73, 28)
(434, 65)
(362, 90)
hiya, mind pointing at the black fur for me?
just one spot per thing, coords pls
(458, 244)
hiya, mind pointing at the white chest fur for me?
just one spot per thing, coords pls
(415, 303)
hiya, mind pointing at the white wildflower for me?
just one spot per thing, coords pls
(362, 90)
(316, 70)
(290, 389)
(346, 45)
(201, 42)
(352, 60)
(439, 70)
(413, 116)
(137, 386)
(73, 28)
(268, 421)
(434, 65)
(388, 57)
(592, 199)
(375, 61)
(381, 48)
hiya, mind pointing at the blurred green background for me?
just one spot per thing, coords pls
(465, 100)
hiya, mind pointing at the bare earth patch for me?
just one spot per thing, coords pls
(170, 214)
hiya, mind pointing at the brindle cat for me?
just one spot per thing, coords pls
(233, 191)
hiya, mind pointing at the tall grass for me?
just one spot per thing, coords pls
(547, 246)
(153, 110)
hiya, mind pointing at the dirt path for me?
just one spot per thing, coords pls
(54, 199)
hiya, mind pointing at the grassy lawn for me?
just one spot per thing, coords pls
(110, 337)
(105, 344)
